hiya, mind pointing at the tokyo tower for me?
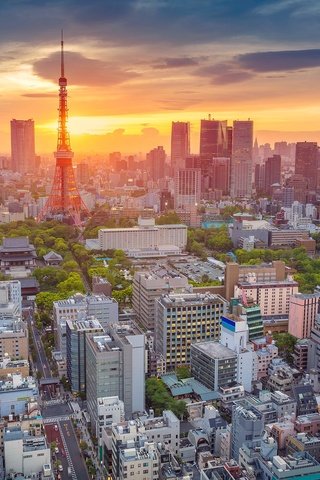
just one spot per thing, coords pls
(64, 202)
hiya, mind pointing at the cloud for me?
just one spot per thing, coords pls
(82, 71)
(248, 65)
(177, 62)
(184, 22)
(280, 61)
(224, 73)
(39, 95)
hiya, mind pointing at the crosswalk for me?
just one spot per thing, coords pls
(55, 401)
(62, 418)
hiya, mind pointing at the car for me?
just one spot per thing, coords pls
(60, 468)
(56, 428)
(56, 450)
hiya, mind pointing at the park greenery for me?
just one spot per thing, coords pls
(160, 399)
(208, 241)
(169, 218)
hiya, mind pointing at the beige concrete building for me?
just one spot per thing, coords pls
(14, 339)
(149, 286)
(235, 273)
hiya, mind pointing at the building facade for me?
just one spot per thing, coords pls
(180, 144)
(302, 313)
(23, 157)
(182, 319)
(241, 160)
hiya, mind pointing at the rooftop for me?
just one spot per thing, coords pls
(215, 349)
(170, 300)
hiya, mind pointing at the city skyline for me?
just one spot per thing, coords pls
(136, 66)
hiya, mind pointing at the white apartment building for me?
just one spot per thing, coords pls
(235, 335)
(25, 454)
(140, 462)
(109, 410)
(273, 297)
(145, 237)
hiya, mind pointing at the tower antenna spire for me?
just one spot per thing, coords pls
(62, 55)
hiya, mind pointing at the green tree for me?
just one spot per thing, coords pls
(285, 343)
(183, 372)
(169, 218)
(73, 284)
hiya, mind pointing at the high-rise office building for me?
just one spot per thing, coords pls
(307, 162)
(181, 319)
(23, 156)
(115, 366)
(180, 144)
(187, 189)
(272, 172)
(76, 333)
(220, 174)
(156, 163)
(241, 161)
(213, 139)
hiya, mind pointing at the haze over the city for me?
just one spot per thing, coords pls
(133, 66)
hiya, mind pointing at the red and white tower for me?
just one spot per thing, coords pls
(64, 201)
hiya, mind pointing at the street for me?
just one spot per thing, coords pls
(69, 453)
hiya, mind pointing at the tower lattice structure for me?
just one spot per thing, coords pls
(64, 201)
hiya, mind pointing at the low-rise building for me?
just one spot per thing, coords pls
(9, 367)
(303, 442)
(25, 454)
(139, 460)
(308, 423)
(14, 339)
(15, 394)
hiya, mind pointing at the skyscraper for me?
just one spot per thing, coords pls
(241, 161)
(22, 146)
(156, 163)
(272, 172)
(307, 162)
(213, 139)
(180, 144)
(187, 189)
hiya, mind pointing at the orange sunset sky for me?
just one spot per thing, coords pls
(133, 66)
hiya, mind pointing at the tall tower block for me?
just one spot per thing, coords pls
(64, 201)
